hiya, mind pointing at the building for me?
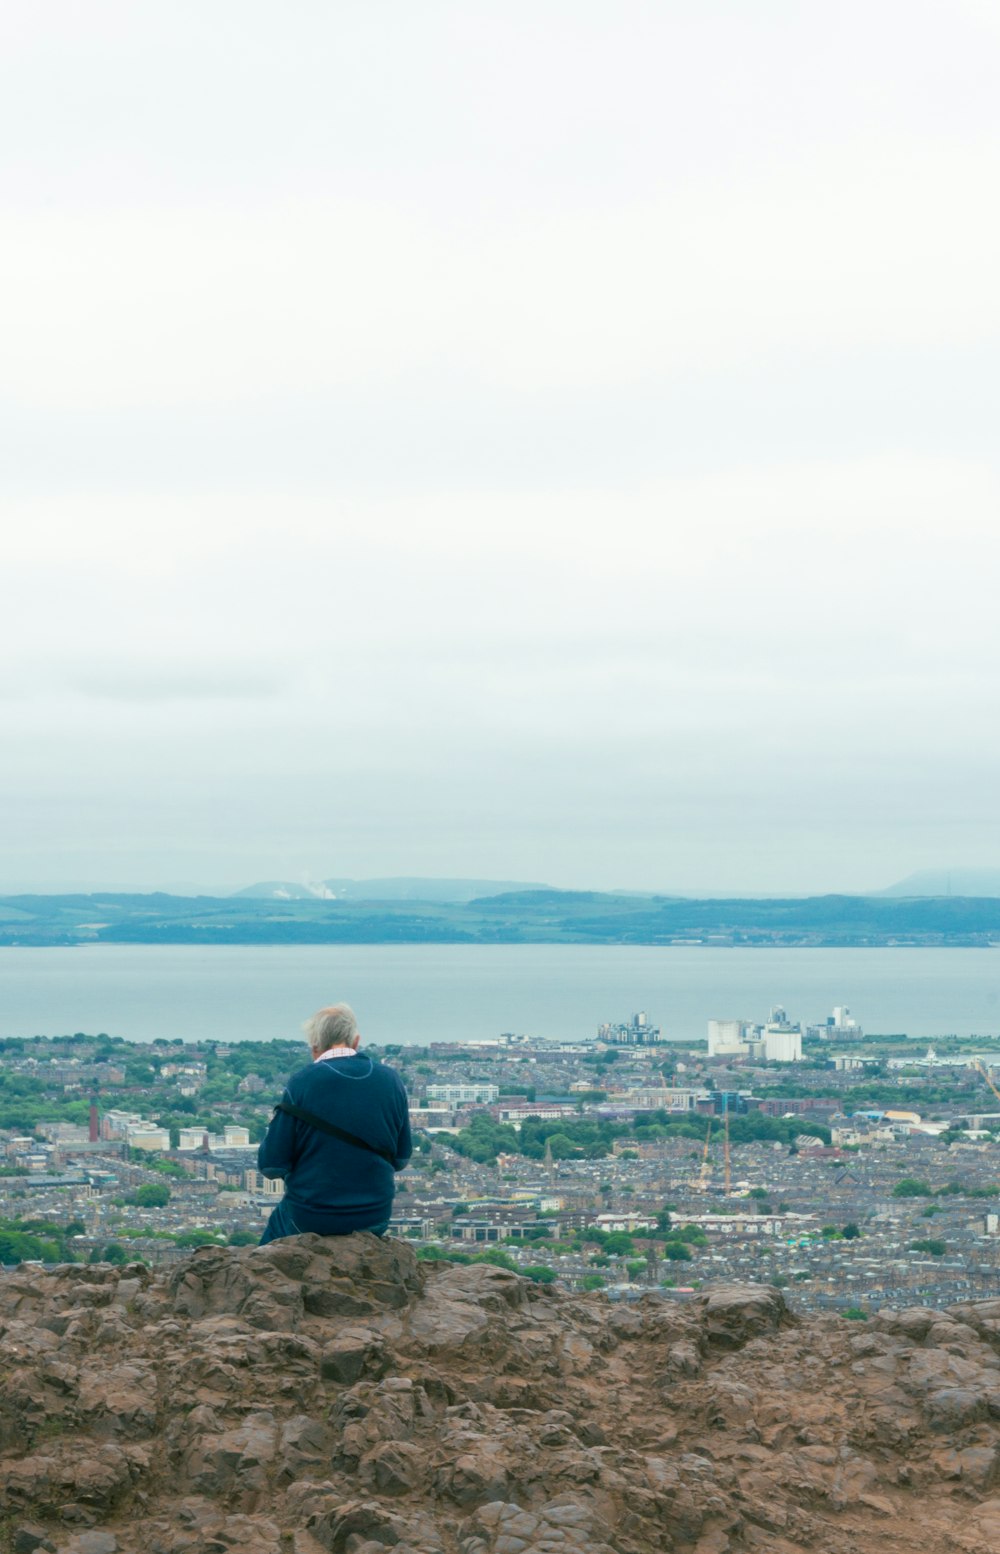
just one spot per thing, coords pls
(115, 1124)
(635, 1223)
(269, 1187)
(637, 1033)
(782, 1040)
(412, 1227)
(432, 1116)
(473, 1093)
(838, 1026)
(533, 1111)
(726, 1038)
(783, 1046)
(668, 1098)
(232, 1137)
(137, 1132)
(777, 1041)
(751, 1224)
(502, 1222)
(150, 1138)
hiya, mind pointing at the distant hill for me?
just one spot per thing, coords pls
(395, 888)
(284, 890)
(510, 917)
(947, 882)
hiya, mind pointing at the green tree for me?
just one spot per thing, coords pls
(151, 1195)
(911, 1187)
(497, 1257)
(851, 1231)
(199, 1237)
(540, 1275)
(113, 1252)
(484, 1139)
(18, 1247)
(562, 1146)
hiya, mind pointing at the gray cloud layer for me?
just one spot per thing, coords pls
(549, 441)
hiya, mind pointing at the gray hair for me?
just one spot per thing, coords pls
(335, 1026)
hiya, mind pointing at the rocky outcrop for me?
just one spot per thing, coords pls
(336, 1397)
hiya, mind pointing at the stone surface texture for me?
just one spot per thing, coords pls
(336, 1396)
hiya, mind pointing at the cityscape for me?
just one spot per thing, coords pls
(848, 1169)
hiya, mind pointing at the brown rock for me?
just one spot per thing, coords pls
(733, 1314)
(325, 1396)
(28, 1537)
(393, 1467)
(353, 1353)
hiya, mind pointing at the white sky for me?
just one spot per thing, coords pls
(546, 440)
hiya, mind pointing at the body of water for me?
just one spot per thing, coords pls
(421, 993)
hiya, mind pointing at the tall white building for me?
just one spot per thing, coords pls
(725, 1036)
(782, 1043)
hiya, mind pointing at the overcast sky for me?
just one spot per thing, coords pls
(546, 440)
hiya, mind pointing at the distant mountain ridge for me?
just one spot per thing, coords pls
(946, 882)
(402, 887)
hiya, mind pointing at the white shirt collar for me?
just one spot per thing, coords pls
(336, 1052)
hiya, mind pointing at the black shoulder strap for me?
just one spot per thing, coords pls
(322, 1126)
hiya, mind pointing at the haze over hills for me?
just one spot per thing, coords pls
(394, 888)
(947, 882)
(954, 883)
(961, 882)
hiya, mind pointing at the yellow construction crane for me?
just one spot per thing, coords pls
(984, 1073)
(700, 1183)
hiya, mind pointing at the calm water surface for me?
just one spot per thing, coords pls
(420, 993)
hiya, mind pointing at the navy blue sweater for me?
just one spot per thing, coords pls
(332, 1187)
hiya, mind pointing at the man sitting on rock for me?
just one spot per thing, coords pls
(337, 1136)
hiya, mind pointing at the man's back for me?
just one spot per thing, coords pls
(332, 1186)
